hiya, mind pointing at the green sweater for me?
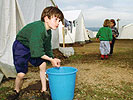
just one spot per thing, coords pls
(36, 38)
(104, 34)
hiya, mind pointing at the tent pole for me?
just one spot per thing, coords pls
(53, 2)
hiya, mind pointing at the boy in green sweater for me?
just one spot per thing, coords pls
(105, 36)
(33, 44)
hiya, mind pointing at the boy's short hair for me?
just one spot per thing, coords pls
(52, 11)
(113, 21)
(106, 23)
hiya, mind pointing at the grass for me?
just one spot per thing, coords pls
(122, 58)
(100, 92)
(4, 92)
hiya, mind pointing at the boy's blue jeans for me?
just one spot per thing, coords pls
(21, 57)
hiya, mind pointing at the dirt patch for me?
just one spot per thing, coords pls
(96, 79)
(94, 74)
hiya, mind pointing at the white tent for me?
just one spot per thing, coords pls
(75, 31)
(126, 32)
(14, 14)
(91, 34)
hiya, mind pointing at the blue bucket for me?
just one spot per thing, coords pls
(62, 82)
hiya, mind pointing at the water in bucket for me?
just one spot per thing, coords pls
(62, 82)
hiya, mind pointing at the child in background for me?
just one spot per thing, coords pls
(105, 36)
(33, 44)
(115, 34)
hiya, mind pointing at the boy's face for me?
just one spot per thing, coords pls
(111, 24)
(53, 22)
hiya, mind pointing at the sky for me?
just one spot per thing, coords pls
(96, 11)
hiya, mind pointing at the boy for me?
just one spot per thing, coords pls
(33, 44)
(115, 34)
(105, 35)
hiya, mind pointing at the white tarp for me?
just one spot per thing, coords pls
(126, 32)
(76, 31)
(14, 14)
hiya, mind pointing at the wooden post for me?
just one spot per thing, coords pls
(63, 36)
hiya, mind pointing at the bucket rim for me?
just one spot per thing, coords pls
(49, 73)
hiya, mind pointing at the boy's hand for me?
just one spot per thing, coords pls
(55, 62)
(110, 42)
(58, 61)
(114, 35)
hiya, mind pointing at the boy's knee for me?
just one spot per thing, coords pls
(43, 66)
(20, 75)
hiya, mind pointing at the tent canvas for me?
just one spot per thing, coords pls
(75, 31)
(32, 10)
(14, 14)
(8, 30)
(91, 34)
(126, 32)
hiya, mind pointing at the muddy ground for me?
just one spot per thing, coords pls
(96, 79)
